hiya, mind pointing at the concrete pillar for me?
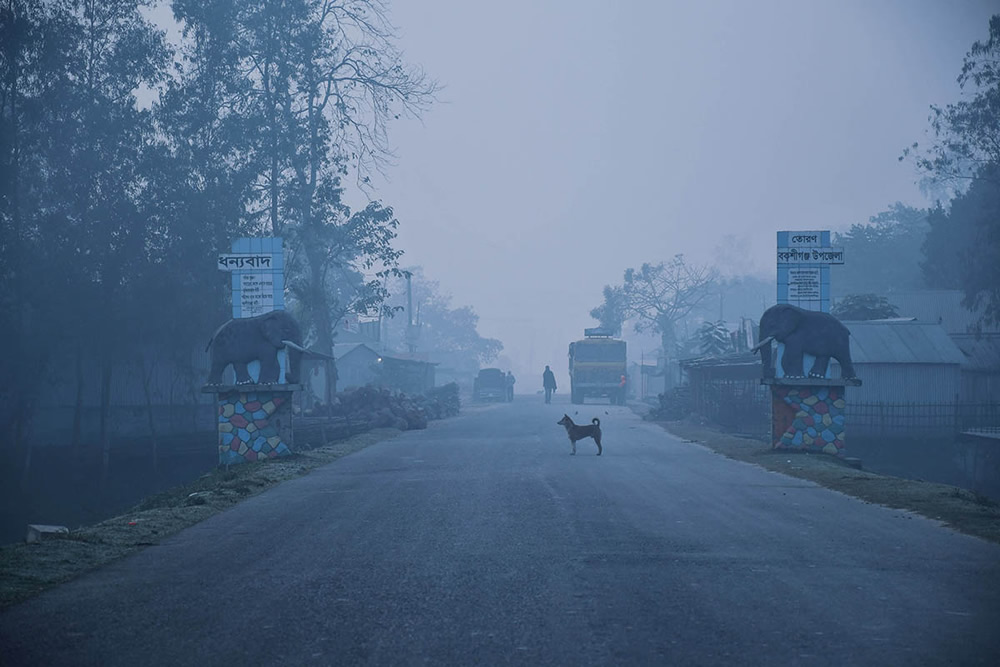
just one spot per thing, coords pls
(254, 421)
(809, 414)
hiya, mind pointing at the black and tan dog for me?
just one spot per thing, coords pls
(576, 432)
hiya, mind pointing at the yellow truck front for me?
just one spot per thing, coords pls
(597, 367)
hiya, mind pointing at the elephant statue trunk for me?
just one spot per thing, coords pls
(240, 341)
(804, 332)
(766, 341)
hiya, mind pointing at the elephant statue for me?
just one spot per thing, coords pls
(240, 341)
(804, 332)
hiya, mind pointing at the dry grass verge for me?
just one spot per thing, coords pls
(28, 569)
(963, 510)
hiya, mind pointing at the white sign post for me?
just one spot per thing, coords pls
(258, 279)
(257, 294)
(257, 267)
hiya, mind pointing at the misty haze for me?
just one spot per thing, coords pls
(543, 333)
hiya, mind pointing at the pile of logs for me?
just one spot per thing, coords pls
(370, 407)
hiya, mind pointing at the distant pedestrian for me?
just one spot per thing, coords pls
(510, 386)
(548, 383)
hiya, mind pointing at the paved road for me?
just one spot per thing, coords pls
(482, 541)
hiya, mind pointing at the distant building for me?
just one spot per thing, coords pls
(359, 364)
(903, 361)
(981, 368)
(457, 367)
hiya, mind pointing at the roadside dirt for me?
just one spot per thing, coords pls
(28, 569)
(963, 510)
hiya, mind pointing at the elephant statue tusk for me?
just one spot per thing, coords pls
(766, 341)
(306, 351)
(294, 346)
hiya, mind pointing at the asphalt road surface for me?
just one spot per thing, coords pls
(482, 541)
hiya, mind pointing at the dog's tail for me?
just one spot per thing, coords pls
(595, 421)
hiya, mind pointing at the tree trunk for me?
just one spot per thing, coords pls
(668, 339)
(19, 423)
(78, 408)
(668, 343)
(153, 443)
(105, 432)
(22, 373)
(324, 344)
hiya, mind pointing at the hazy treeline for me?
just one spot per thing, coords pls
(128, 162)
(442, 333)
(955, 244)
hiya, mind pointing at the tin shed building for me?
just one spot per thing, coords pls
(912, 378)
(904, 361)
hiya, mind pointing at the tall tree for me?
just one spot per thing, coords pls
(340, 264)
(74, 66)
(28, 44)
(884, 252)
(714, 338)
(962, 250)
(658, 296)
(613, 310)
(316, 82)
(963, 245)
(966, 134)
(115, 51)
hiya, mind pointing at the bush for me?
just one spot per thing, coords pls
(381, 407)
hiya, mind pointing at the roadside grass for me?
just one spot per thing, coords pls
(965, 511)
(29, 569)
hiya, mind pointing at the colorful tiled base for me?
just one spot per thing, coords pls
(808, 418)
(246, 431)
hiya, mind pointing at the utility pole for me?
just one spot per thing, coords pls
(411, 334)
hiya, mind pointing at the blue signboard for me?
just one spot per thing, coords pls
(804, 260)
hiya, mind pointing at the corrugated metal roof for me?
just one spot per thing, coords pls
(982, 353)
(902, 343)
(731, 359)
(942, 307)
(343, 349)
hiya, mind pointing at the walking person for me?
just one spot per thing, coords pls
(548, 383)
(510, 386)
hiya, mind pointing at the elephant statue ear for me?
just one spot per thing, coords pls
(273, 329)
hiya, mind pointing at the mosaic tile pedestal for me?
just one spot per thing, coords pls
(254, 421)
(808, 414)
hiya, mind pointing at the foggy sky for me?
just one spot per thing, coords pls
(575, 139)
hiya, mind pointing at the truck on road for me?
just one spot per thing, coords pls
(490, 385)
(597, 367)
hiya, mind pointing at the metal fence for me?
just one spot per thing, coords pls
(743, 406)
(920, 418)
(740, 406)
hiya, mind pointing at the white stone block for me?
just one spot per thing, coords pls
(38, 532)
